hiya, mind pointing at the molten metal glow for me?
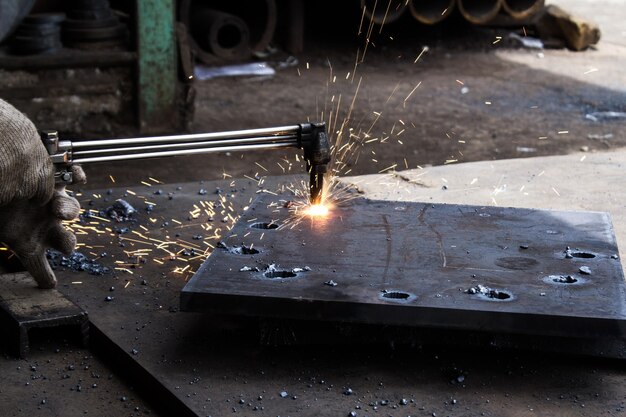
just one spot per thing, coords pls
(317, 210)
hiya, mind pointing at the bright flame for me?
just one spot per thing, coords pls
(316, 210)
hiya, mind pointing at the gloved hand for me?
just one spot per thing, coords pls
(31, 207)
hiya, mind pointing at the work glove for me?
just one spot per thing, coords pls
(32, 208)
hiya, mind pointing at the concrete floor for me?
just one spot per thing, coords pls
(580, 181)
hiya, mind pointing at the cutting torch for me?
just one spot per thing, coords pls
(310, 137)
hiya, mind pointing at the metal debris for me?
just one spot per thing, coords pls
(600, 137)
(238, 250)
(527, 41)
(248, 269)
(563, 279)
(585, 270)
(121, 210)
(605, 115)
(76, 262)
(330, 283)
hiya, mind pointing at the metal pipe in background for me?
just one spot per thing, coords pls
(223, 34)
(479, 11)
(521, 9)
(384, 11)
(260, 16)
(430, 12)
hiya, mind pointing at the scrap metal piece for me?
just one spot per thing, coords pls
(23, 306)
(443, 266)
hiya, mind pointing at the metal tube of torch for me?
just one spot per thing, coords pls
(176, 145)
(309, 137)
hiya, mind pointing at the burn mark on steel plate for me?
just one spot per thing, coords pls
(442, 252)
(490, 294)
(397, 296)
(516, 263)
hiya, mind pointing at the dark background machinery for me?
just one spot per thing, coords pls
(118, 68)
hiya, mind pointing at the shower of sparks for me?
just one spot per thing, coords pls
(144, 242)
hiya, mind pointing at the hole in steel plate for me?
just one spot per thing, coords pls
(564, 279)
(498, 295)
(396, 295)
(585, 255)
(490, 294)
(243, 250)
(276, 274)
(264, 226)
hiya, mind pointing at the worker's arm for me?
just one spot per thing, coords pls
(31, 207)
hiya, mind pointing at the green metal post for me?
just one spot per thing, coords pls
(157, 66)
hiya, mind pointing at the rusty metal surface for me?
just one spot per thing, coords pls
(429, 265)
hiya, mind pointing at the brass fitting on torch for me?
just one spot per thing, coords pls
(314, 141)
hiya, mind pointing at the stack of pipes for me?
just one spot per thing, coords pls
(430, 12)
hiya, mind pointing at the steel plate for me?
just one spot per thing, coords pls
(494, 269)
